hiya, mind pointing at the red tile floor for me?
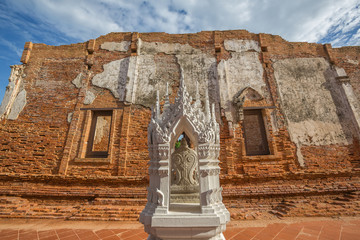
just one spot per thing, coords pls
(286, 229)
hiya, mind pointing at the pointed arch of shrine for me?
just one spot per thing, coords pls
(185, 125)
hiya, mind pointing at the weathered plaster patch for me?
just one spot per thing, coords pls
(137, 78)
(310, 132)
(128, 88)
(147, 78)
(144, 82)
(240, 71)
(196, 66)
(167, 48)
(123, 81)
(355, 62)
(18, 105)
(237, 45)
(340, 72)
(8, 93)
(78, 81)
(116, 46)
(305, 88)
(89, 98)
(70, 116)
(354, 105)
(200, 68)
(12, 90)
(114, 77)
(351, 99)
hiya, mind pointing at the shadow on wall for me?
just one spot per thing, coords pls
(343, 108)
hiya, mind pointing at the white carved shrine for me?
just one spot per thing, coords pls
(184, 193)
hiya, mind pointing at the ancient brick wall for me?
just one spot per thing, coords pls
(34, 143)
(47, 169)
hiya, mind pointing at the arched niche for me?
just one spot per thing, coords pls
(184, 192)
(184, 126)
(247, 94)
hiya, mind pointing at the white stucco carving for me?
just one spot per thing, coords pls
(18, 105)
(205, 125)
(184, 167)
(188, 179)
(15, 97)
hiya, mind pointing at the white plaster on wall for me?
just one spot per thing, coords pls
(307, 102)
(8, 93)
(152, 48)
(196, 66)
(145, 84)
(12, 90)
(134, 80)
(242, 70)
(18, 105)
(116, 46)
(354, 104)
(70, 116)
(199, 68)
(89, 97)
(351, 98)
(340, 72)
(355, 62)
(128, 94)
(78, 81)
(310, 132)
(114, 74)
(238, 45)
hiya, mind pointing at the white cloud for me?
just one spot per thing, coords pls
(338, 17)
(69, 21)
(11, 46)
(76, 19)
(305, 20)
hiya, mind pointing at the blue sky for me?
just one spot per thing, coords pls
(58, 22)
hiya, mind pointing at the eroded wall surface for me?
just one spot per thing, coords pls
(308, 96)
(307, 90)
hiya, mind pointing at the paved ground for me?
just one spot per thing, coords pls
(299, 229)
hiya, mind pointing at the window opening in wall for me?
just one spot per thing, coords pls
(178, 142)
(254, 132)
(99, 137)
